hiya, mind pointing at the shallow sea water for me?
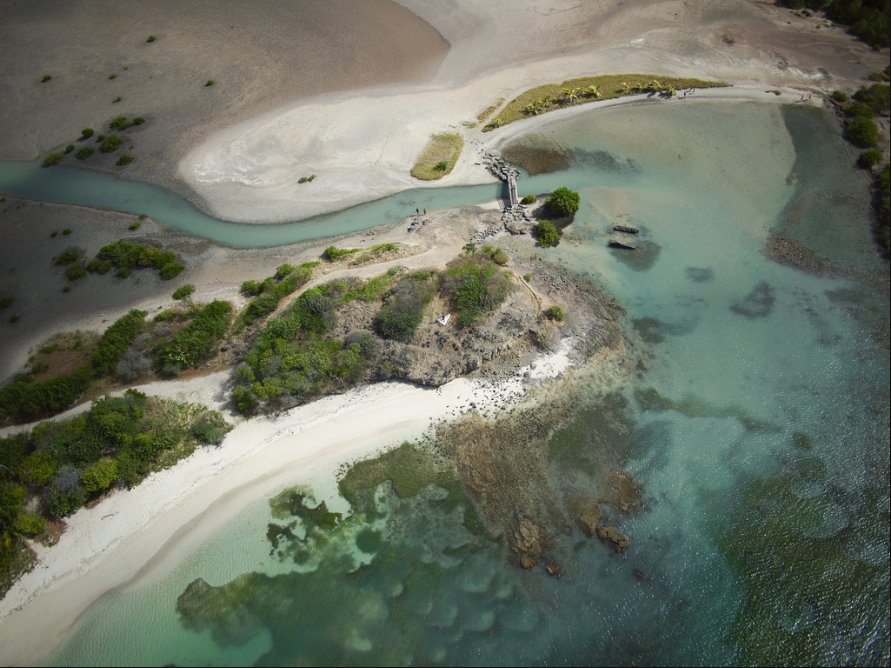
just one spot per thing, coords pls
(758, 432)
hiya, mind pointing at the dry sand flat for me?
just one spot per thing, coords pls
(361, 144)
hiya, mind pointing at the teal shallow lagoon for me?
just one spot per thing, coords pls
(758, 431)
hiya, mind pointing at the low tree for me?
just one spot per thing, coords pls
(563, 202)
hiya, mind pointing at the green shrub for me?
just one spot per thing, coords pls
(529, 199)
(111, 143)
(209, 82)
(404, 308)
(546, 233)
(117, 99)
(45, 78)
(333, 253)
(474, 285)
(5, 301)
(563, 202)
(53, 158)
(862, 132)
(497, 255)
(869, 159)
(196, 342)
(100, 138)
(75, 271)
(25, 398)
(210, 428)
(66, 231)
(69, 149)
(84, 152)
(150, 39)
(138, 120)
(14, 318)
(251, 288)
(839, 96)
(119, 123)
(184, 291)
(86, 133)
(306, 179)
(124, 160)
(115, 341)
(554, 313)
(126, 256)
(112, 76)
(877, 97)
(441, 166)
(100, 475)
(67, 256)
(271, 291)
(97, 266)
(30, 524)
(135, 225)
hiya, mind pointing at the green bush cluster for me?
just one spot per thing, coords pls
(292, 360)
(403, 310)
(333, 253)
(111, 143)
(84, 152)
(28, 398)
(563, 202)
(528, 199)
(67, 256)
(122, 123)
(269, 293)
(53, 158)
(497, 255)
(867, 19)
(197, 342)
(546, 233)
(183, 291)
(474, 285)
(65, 464)
(554, 313)
(5, 301)
(126, 256)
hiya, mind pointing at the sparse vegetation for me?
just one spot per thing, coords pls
(869, 159)
(496, 255)
(45, 78)
(439, 156)
(84, 152)
(75, 271)
(135, 225)
(117, 99)
(69, 149)
(528, 199)
(124, 160)
(6, 301)
(150, 39)
(306, 179)
(86, 133)
(488, 111)
(209, 82)
(67, 256)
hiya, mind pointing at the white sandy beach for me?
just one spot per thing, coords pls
(109, 544)
(360, 143)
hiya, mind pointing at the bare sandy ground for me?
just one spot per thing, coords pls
(240, 151)
(361, 144)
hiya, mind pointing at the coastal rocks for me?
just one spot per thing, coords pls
(528, 538)
(201, 606)
(587, 517)
(610, 534)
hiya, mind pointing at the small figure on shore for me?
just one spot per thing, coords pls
(425, 212)
(417, 211)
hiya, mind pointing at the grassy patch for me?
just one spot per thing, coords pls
(549, 97)
(333, 253)
(438, 157)
(485, 113)
(127, 256)
(474, 285)
(404, 308)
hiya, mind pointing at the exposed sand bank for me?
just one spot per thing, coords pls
(361, 144)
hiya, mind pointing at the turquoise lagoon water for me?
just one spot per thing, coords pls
(758, 430)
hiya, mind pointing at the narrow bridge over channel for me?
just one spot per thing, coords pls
(512, 189)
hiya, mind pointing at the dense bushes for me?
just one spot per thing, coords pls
(126, 256)
(474, 285)
(269, 293)
(27, 397)
(563, 203)
(65, 464)
(115, 341)
(196, 342)
(867, 19)
(404, 308)
(546, 233)
(861, 131)
(333, 253)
